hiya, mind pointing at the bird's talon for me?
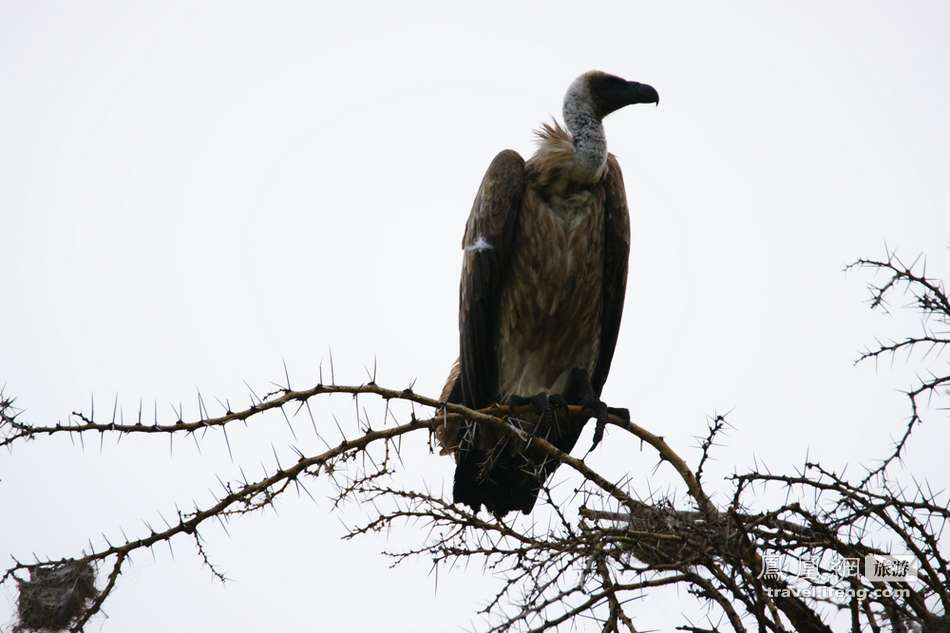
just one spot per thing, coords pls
(598, 433)
(557, 401)
(620, 412)
(540, 402)
(600, 412)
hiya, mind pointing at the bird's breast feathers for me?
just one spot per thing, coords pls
(551, 304)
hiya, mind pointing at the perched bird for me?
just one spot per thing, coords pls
(542, 291)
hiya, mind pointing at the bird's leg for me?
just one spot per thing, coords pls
(582, 389)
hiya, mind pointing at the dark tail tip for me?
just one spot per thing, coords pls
(506, 488)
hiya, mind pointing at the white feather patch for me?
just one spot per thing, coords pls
(480, 244)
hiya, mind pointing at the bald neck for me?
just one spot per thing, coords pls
(590, 142)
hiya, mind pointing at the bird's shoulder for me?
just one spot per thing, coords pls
(497, 201)
(503, 181)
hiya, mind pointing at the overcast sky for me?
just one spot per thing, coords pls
(193, 193)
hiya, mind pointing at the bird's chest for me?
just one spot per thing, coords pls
(551, 304)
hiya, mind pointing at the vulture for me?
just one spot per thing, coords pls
(544, 272)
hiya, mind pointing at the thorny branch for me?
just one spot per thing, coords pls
(598, 550)
(929, 298)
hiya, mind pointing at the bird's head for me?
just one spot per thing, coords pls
(600, 94)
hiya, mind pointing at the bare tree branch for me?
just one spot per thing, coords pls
(594, 549)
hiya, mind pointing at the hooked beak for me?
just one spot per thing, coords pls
(614, 93)
(641, 93)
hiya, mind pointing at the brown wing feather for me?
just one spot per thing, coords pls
(489, 233)
(487, 243)
(616, 254)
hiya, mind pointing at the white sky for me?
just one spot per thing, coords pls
(192, 193)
